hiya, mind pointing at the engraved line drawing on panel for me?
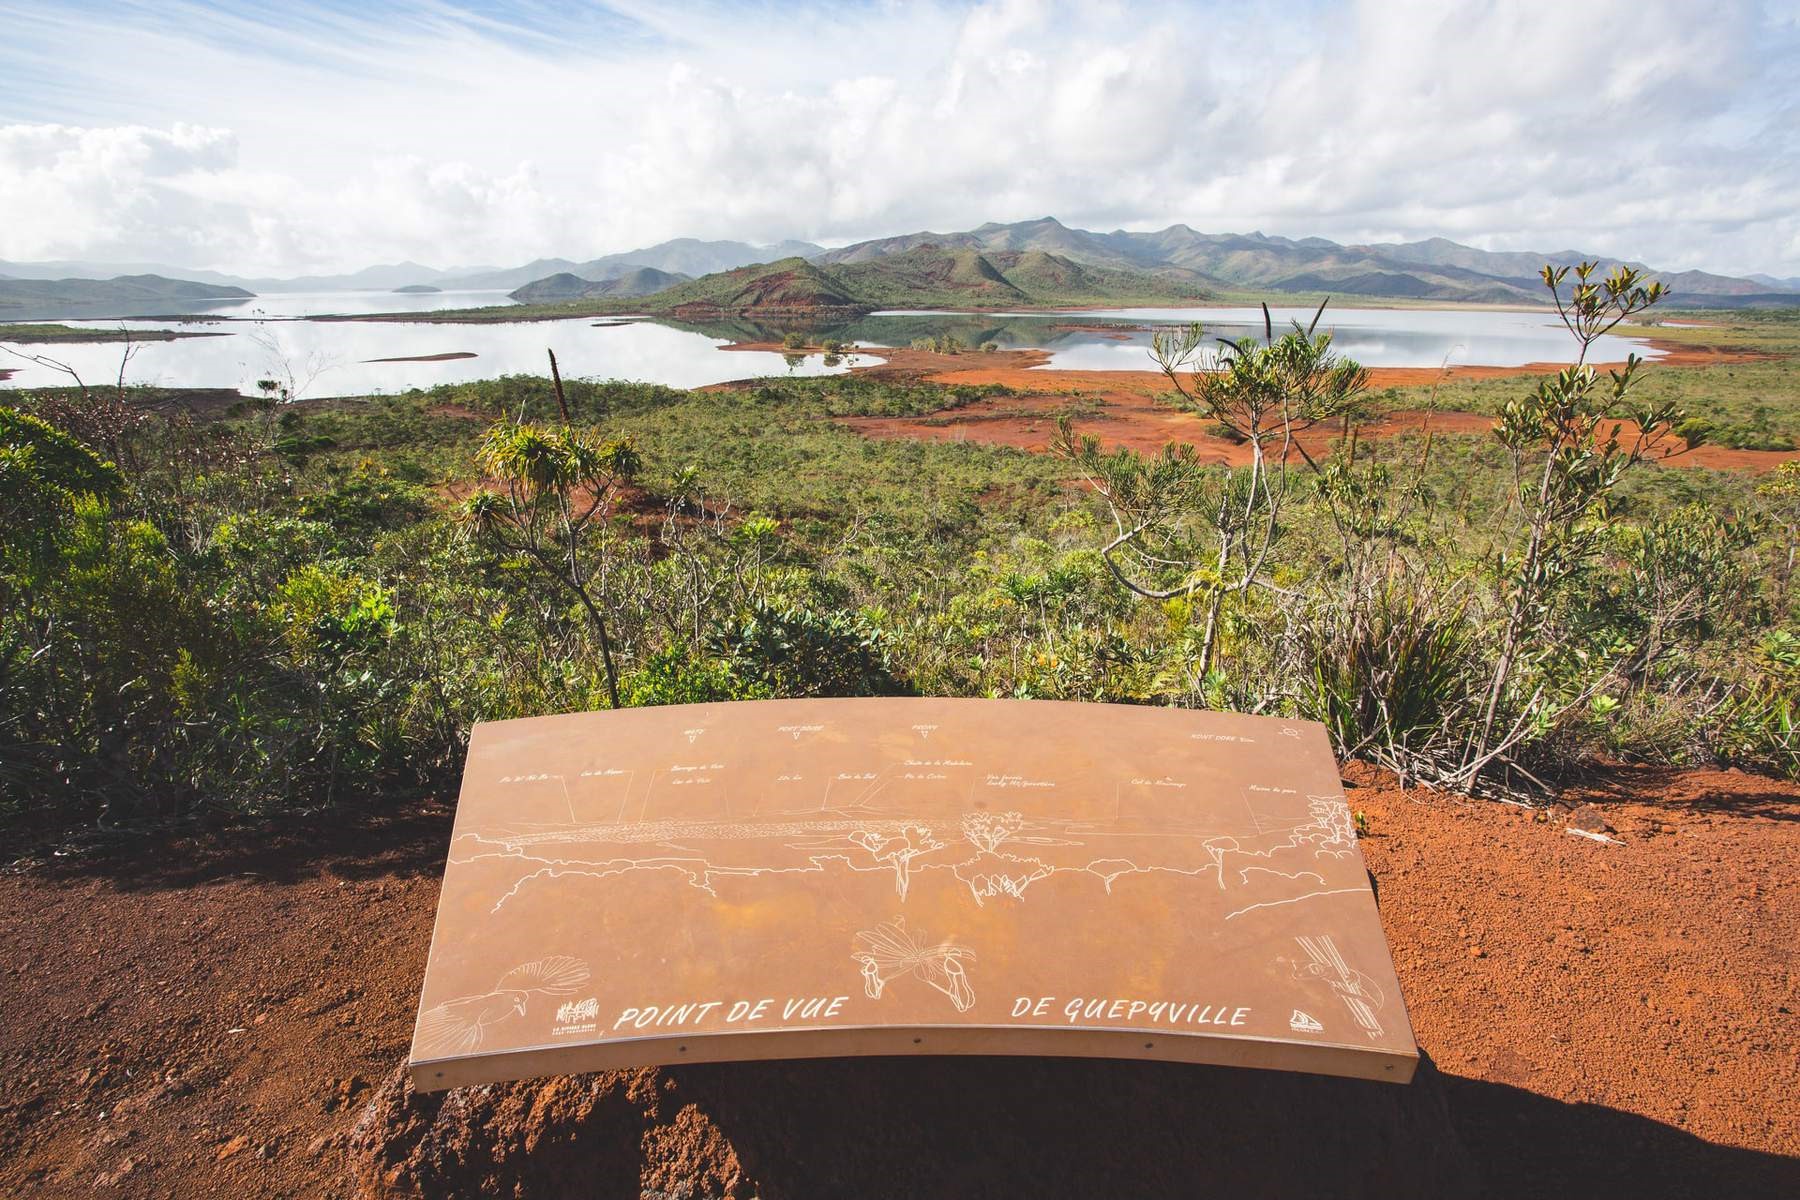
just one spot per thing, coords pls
(458, 1026)
(898, 849)
(890, 950)
(1358, 992)
(991, 854)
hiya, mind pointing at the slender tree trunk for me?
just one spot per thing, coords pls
(1214, 603)
(1515, 617)
(579, 585)
(606, 654)
(571, 578)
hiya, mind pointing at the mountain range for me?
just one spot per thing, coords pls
(1434, 269)
(682, 256)
(686, 257)
(1045, 263)
(993, 265)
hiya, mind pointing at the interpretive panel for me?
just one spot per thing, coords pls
(805, 878)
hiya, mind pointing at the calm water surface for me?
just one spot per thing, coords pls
(340, 358)
(1374, 337)
(312, 304)
(262, 338)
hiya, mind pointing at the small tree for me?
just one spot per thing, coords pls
(1181, 528)
(1569, 448)
(560, 483)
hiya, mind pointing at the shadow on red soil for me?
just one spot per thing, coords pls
(216, 1014)
(1043, 1127)
(282, 850)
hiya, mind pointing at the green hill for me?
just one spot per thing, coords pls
(924, 276)
(639, 281)
(791, 285)
(930, 276)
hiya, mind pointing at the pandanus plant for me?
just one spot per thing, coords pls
(558, 487)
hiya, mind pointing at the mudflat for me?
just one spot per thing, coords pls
(1122, 409)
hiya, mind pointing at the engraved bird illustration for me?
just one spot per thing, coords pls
(459, 1026)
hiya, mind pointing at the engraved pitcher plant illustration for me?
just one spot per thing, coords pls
(891, 950)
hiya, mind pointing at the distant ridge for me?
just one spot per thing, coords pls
(1430, 269)
(679, 256)
(382, 278)
(1434, 269)
(687, 257)
(124, 289)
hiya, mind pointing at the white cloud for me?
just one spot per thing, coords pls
(329, 140)
(72, 188)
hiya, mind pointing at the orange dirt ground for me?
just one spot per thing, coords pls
(1126, 413)
(212, 1016)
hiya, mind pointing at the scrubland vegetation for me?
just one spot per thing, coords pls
(1745, 405)
(299, 605)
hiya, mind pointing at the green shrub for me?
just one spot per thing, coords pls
(802, 652)
(1760, 724)
(676, 675)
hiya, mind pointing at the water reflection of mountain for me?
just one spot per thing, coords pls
(1120, 340)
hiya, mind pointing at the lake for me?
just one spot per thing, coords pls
(338, 358)
(270, 304)
(1374, 337)
(345, 304)
(263, 338)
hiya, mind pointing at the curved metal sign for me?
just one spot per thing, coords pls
(803, 878)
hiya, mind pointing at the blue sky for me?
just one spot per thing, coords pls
(301, 137)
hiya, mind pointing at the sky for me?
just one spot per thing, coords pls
(299, 137)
